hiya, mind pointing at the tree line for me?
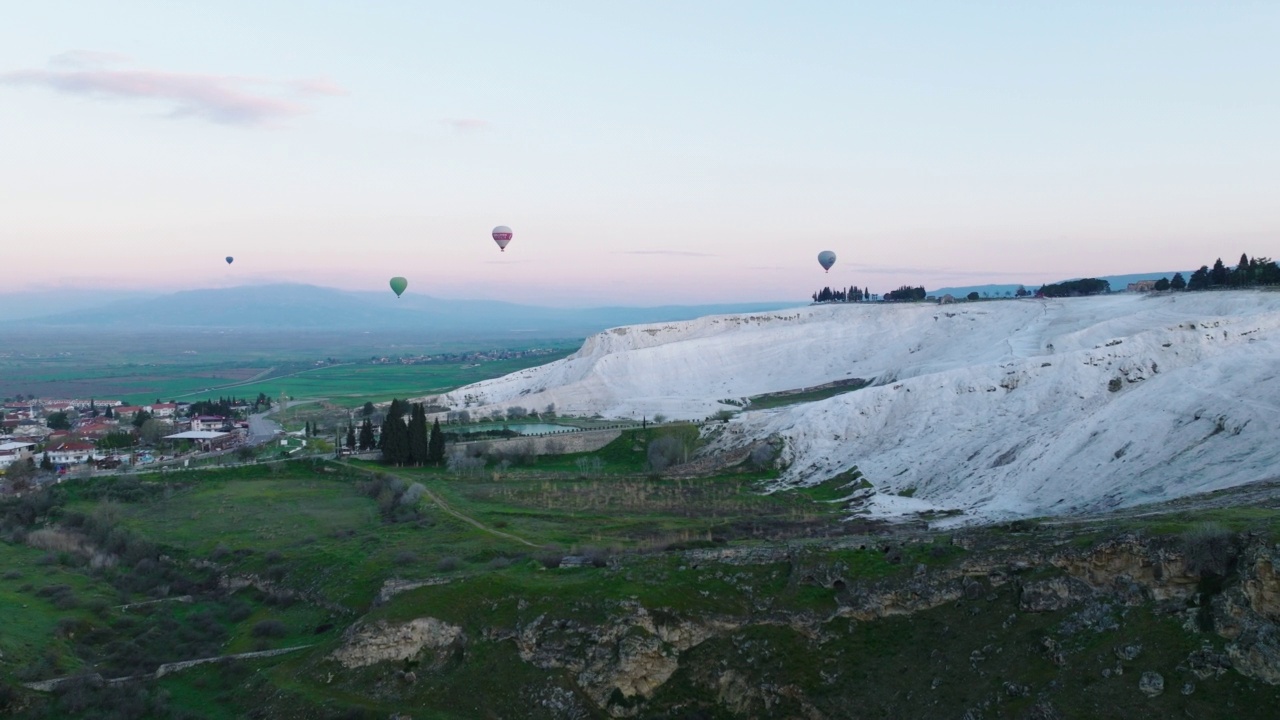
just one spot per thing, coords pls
(906, 292)
(850, 294)
(408, 442)
(1249, 272)
(1075, 288)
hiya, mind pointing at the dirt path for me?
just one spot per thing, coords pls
(439, 501)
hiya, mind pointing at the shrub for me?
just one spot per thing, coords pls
(269, 628)
(405, 557)
(413, 494)
(1209, 549)
(550, 556)
(239, 611)
(663, 453)
(448, 564)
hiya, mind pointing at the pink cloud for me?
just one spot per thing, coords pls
(222, 99)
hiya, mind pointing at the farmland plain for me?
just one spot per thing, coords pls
(198, 364)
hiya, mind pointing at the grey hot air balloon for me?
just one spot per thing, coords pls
(826, 259)
(502, 235)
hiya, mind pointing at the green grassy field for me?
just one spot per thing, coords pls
(353, 385)
(308, 545)
(165, 366)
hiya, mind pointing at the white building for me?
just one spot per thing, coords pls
(12, 452)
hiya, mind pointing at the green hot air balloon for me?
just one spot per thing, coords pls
(398, 284)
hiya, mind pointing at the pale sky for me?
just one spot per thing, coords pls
(643, 152)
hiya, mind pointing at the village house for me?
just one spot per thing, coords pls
(97, 428)
(71, 452)
(163, 410)
(12, 452)
(203, 423)
(1142, 286)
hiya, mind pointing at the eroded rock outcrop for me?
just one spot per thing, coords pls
(367, 644)
(1246, 614)
(621, 661)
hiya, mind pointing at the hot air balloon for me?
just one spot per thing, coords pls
(398, 284)
(502, 235)
(229, 259)
(826, 259)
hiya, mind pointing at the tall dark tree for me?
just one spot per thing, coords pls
(1178, 282)
(58, 421)
(93, 408)
(419, 443)
(1199, 279)
(1243, 274)
(1162, 284)
(1218, 275)
(435, 445)
(366, 435)
(395, 435)
(367, 410)
(351, 437)
(110, 413)
(1265, 271)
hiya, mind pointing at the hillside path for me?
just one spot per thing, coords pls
(439, 501)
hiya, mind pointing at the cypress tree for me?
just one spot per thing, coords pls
(435, 446)
(418, 444)
(351, 437)
(366, 435)
(1218, 276)
(1178, 282)
(395, 435)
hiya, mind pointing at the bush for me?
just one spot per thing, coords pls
(405, 557)
(1209, 550)
(448, 564)
(664, 452)
(269, 628)
(550, 558)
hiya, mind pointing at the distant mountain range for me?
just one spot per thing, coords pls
(312, 308)
(1118, 282)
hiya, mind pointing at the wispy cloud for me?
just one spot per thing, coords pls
(222, 99)
(85, 59)
(467, 125)
(680, 253)
(937, 272)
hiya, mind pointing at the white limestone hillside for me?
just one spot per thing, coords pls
(999, 409)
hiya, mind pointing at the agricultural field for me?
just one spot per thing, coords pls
(354, 384)
(195, 365)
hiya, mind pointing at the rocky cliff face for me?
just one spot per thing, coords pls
(368, 644)
(619, 662)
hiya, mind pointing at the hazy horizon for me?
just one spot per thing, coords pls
(646, 155)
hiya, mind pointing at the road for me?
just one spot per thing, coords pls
(263, 429)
